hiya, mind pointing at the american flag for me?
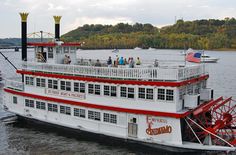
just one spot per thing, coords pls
(194, 57)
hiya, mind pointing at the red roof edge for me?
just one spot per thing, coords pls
(52, 44)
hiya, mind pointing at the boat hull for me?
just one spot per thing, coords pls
(87, 135)
(210, 60)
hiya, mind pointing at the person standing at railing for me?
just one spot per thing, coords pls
(116, 62)
(125, 61)
(65, 59)
(69, 60)
(156, 63)
(131, 63)
(138, 62)
(98, 64)
(121, 61)
(109, 62)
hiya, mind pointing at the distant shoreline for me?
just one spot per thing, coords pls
(220, 49)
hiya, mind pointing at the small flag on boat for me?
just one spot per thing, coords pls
(194, 57)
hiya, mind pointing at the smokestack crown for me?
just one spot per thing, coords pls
(57, 19)
(24, 16)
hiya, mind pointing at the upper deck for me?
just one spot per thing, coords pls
(49, 58)
(149, 73)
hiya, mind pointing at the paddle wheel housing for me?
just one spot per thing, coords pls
(212, 123)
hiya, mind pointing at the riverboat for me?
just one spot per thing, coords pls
(208, 59)
(155, 105)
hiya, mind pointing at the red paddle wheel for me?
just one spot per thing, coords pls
(213, 123)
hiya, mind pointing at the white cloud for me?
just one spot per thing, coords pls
(53, 7)
(78, 12)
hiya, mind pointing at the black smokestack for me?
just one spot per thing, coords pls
(24, 35)
(57, 27)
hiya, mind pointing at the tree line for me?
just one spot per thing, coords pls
(198, 34)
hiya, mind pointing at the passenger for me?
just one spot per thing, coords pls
(65, 59)
(131, 63)
(138, 62)
(90, 62)
(109, 62)
(125, 61)
(98, 64)
(69, 60)
(40, 57)
(116, 63)
(156, 63)
(121, 61)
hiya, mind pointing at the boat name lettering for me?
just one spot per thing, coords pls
(65, 94)
(160, 130)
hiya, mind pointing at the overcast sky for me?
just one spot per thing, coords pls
(79, 12)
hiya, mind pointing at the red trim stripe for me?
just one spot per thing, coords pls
(102, 107)
(126, 82)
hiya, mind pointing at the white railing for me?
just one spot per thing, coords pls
(141, 73)
(14, 84)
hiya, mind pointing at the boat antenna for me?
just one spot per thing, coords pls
(6, 58)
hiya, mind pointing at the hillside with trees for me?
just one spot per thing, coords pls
(199, 34)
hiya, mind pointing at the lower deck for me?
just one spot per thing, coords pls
(147, 129)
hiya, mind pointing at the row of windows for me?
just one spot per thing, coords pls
(93, 115)
(95, 89)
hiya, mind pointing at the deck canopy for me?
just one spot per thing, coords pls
(55, 52)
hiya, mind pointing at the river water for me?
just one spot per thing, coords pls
(24, 138)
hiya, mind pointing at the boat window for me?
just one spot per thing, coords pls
(40, 105)
(110, 91)
(14, 99)
(94, 115)
(40, 82)
(52, 107)
(160, 94)
(29, 103)
(94, 89)
(204, 84)
(66, 85)
(169, 95)
(72, 49)
(145, 93)
(58, 49)
(65, 110)
(79, 87)
(29, 80)
(190, 89)
(181, 93)
(110, 118)
(130, 92)
(50, 52)
(165, 94)
(79, 112)
(141, 93)
(66, 49)
(197, 88)
(53, 84)
(127, 92)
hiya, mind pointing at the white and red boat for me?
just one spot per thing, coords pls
(155, 105)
